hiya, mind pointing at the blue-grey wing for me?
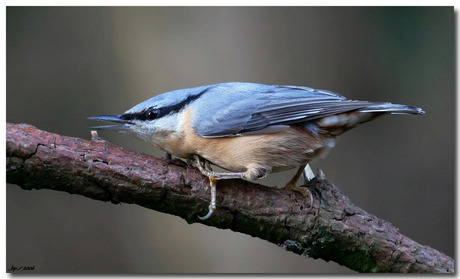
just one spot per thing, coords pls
(233, 109)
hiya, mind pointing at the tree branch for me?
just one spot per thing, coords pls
(332, 228)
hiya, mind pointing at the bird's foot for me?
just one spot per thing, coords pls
(206, 170)
(308, 175)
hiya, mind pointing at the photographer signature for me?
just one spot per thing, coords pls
(14, 268)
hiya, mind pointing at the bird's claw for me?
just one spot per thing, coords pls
(166, 156)
(212, 205)
(310, 194)
(207, 215)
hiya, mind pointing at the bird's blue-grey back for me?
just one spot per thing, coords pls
(232, 109)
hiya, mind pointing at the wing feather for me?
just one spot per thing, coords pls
(244, 108)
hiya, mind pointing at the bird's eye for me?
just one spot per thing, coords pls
(152, 114)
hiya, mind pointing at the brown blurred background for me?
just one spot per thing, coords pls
(64, 64)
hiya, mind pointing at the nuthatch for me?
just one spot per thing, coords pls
(248, 129)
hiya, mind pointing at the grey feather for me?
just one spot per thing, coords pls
(232, 109)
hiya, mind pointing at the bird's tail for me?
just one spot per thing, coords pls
(393, 109)
(339, 123)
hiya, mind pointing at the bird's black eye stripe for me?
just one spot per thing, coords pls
(148, 114)
(153, 113)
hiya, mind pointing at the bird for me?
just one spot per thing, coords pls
(248, 129)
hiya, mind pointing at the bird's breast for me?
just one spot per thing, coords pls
(278, 151)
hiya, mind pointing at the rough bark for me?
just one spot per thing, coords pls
(332, 228)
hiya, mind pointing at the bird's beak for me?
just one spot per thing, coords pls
(126, 124)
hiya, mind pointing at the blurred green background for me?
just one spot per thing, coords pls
(67, 63)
